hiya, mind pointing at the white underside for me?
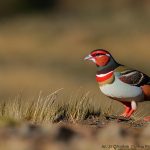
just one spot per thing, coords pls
(122, 91)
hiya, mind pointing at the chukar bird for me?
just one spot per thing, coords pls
(126, 85)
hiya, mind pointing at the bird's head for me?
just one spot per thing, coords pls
(100, 57)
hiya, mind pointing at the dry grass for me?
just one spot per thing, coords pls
(46, 109)
(54, 108)
(36, 110)
(81, 106)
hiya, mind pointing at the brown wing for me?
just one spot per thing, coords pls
(134, 77)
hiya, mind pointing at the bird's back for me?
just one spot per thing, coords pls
(135, 78)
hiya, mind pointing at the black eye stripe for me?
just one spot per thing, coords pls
(98, 54)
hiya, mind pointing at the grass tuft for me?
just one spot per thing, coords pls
(46, 109)
(35, 110)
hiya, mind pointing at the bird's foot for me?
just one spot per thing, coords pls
(127, 114)
(123, 119)
(124, 115)
(129, 109)
(130, 113)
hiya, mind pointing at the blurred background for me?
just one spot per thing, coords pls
(43, 42)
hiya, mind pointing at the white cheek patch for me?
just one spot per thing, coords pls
(92, 59)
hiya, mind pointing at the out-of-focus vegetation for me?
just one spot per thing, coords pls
(97, 6)
(10, 7)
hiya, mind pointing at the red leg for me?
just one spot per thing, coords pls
(130, 108)
(127, 109)
(130, 113)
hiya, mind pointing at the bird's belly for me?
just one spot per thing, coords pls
(122, 91)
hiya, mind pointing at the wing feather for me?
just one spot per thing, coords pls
(134, 77)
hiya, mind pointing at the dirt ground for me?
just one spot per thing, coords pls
(95, 133)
